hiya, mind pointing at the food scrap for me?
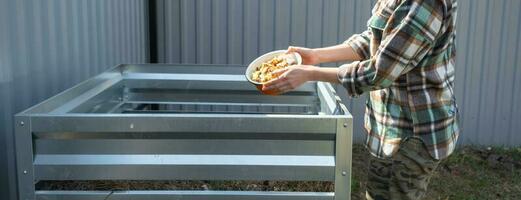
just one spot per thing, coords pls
(264, 73)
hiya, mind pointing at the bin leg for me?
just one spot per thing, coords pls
(24, 158)
(343, 157)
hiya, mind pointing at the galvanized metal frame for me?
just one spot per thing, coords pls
(24, 157)
(192, 195)
(54, 138)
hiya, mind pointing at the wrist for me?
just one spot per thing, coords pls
(325, 74)
(317, 53)
(313, 73)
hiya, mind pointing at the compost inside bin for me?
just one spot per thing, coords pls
(290, 186)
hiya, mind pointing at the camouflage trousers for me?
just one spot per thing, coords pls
(404, 176)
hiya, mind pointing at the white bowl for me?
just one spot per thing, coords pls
(264, 58)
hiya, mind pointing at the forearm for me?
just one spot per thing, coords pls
(324, 74)
(336, 53)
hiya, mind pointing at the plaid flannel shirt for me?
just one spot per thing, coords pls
(408, 56)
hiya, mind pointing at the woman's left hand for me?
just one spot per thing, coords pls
(289, 78)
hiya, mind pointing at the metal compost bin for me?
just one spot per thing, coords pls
(183, 122)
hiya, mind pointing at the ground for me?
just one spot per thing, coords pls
(470, 173)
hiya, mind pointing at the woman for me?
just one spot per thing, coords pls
(405, 61)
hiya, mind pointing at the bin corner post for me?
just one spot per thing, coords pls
(343, 158)
(24, 158)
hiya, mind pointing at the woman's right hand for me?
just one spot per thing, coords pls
(309, 56)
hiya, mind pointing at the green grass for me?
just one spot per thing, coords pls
(470, 173)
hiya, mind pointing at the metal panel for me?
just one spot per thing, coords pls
(73, 195)
(489, 40)
(54, 145)
(47, 46)
(185, 123)
(182, 167)
(187, 195)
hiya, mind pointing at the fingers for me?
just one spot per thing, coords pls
(291, 49)
(284, 89)
(275, 83)
(278, 88)
(279, 71)
(281, 77)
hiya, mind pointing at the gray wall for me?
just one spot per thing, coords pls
(489, 71)
(47, 46)
(236, 31)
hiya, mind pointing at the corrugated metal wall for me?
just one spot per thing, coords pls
(489, 71)
(47, 46)
(236, 31)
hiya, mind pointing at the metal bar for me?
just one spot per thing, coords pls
(341, 108)
(194, 159)
(72, 195)
(97, 100)
(184, 167)
(24, 157)
(327, 103)
(191, 77)
(218, 107)
(187, 123)
(220, 103)
(74, 145)
(115, 108)
(69, 94)
(184, 69)
(212, 112)
(185, 195)
(343, 154)
(196, 81)
(187, 135)
(221, 96)
(330, 100)
(85, 96)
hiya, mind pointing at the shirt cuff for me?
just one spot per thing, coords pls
(347, 77)
(360, 46)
